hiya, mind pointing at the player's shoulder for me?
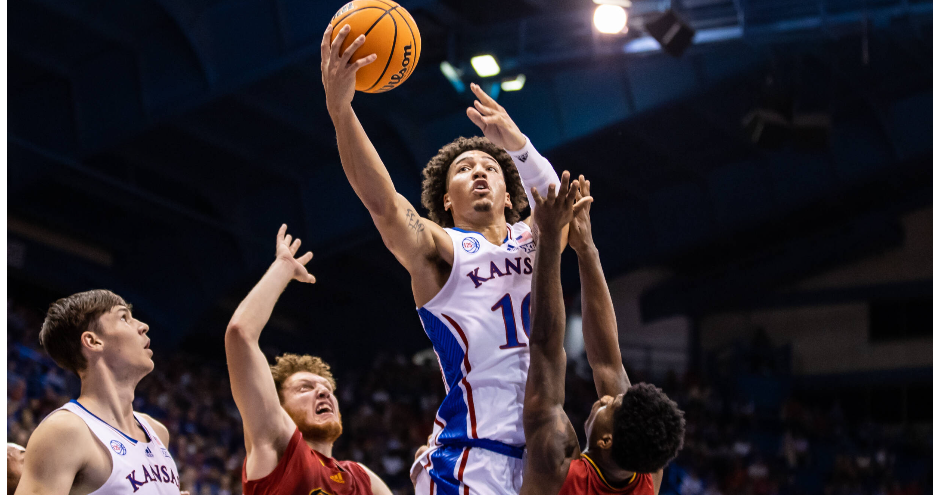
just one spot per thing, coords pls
(156, 425)
(61, 427)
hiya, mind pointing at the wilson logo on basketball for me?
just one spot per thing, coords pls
(400, 75)
(343, 10)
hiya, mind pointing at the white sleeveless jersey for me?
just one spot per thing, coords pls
(139, 468)
(479, 324)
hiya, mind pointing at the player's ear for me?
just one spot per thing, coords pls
(91, 341)
(605, 441)
(446, 201)
(508, 201)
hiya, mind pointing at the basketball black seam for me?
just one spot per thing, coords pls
(417, 53)
(392, 52)
(387, 3)
(355, 11)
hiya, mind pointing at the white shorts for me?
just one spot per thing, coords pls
(450, 470)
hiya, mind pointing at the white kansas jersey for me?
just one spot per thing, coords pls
(138, 467)
(479, 324)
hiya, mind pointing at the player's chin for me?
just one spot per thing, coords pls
(482, 205)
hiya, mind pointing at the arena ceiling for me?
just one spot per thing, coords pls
(154, 147)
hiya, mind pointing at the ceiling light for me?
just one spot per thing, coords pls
(610, 19)
(453, 75)
(485, 65)
(514, 84)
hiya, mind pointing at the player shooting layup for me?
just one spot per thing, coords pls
(632, 432)
(470, 267)
(97, 444)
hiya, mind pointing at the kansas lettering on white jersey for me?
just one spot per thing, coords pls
(138, 467)
(479, 324)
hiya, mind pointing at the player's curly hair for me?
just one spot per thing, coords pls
(434, 185)
(288, 364)
(648, 430)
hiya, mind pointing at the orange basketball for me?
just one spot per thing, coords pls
(391, 34)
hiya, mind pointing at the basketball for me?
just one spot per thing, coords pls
(391, 34)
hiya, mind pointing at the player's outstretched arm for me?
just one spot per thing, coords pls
(549, 438)
(409, 236)
(267, 428)
(535, 170)
(50, 468)
(600, 331)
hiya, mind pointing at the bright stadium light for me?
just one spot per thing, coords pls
(485, 65)
(514, 84)
(453, 75)
(610, 19)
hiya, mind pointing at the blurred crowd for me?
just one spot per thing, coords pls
(731, 446)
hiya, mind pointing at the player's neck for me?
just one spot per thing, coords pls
(323, 448)
(614, 476)
(494, 230)
(109, 397)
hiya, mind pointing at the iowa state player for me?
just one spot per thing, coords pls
(290, 413)
(97, 443)
(470, 268)
(632, 431)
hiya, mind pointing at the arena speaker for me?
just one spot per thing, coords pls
(674, 35)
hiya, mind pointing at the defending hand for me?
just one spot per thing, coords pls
(581, 232)
(557, 209)
(285, 250)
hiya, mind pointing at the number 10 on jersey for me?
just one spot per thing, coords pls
(508, 317)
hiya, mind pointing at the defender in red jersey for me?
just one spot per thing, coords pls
(290, 413)
(632, 432)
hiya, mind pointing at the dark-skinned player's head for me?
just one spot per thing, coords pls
(641, 430)
(94, 328)
(306, 391)
(472, 176)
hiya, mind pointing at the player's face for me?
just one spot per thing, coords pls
(599, 422)
(310, 401)
(475, 183)
(126, 345)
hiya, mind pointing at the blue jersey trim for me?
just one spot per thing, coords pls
(490, 445)
(444, 462)
(111, 427)
(453, 408)
(458, 229)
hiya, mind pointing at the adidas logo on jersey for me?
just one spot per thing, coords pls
(338, 478)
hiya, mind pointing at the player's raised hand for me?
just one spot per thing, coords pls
(581, 232)
(555, 210)
(337, 73)
(495, 123)
(285, 250)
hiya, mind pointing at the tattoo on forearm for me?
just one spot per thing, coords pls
(414, 220)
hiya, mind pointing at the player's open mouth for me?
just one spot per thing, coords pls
(323, 409)
(480, 186)
(147, 344)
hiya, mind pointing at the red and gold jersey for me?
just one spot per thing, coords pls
(584, 478)
(304, 471)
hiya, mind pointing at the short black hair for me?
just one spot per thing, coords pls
(434, 185)
(647, 431)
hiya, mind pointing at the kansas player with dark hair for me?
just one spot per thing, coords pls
(470, 264)
(632, 432)
(97, 444)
